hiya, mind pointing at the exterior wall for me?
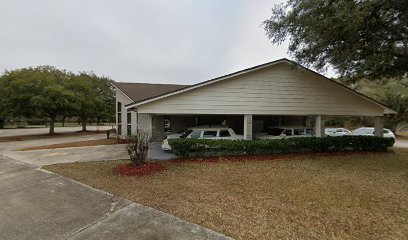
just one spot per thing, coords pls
(144, 122)
(123, 99)
(181, 122)
(280, 89)
(157, 128)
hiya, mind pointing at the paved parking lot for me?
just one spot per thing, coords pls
(37, 204)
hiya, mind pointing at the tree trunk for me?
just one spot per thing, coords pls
(52, 124)
(63, 120)
(83, 120)
(2, 122)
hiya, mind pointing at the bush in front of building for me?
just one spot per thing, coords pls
(137, 146)
(188, 147)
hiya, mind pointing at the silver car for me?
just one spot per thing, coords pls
(335, 132)
(286, 132)
(369, 131)
(203, 132)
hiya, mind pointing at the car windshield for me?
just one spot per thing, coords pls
(182, 131)
(275, 131)
(363, 131)
(186, 133)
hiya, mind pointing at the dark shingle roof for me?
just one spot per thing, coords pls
(141, 91)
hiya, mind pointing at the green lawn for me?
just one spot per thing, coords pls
(357, 196)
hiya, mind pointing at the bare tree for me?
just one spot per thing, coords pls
(138, 146)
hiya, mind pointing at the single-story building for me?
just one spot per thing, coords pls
(278, 93)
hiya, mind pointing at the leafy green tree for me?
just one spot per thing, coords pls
(4, 105)
(105, 107)
(38, 91)
(85, 95)
(393, 93)
(360, 39)
(94, 97)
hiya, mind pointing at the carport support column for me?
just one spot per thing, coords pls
(144, 122)
(319, 126)
(379, 126)
(248, 127)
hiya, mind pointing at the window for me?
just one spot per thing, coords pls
(119, 117)
(288, 132)
(363, 131)
(274, 131)
(119, 129)
(209, 134)
(129, 118)
(186, 133)
(385, 131)
(309, 131)
(224, 133)
(195, 134)
(129, 124)
(129, 130)
(167, 124)
(299, 132)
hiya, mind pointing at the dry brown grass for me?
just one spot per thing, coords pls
(46, 136)
(97, 142)
(360, 196)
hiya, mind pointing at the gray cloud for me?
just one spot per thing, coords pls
(180, 41)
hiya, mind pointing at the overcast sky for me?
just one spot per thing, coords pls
(178, 41)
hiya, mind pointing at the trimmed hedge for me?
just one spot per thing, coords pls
(188, 147)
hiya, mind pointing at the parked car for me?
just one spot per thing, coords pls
(369, 131)
(203, 132)
(286, 132)
(335, 132)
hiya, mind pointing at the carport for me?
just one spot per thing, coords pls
(279, 93)
(247, 125)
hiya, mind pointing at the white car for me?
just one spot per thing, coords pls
(203, 132)
(369, 131)
(335, 132)
(286, 132)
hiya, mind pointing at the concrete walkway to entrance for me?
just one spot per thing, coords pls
(36, 204)
(77, 154)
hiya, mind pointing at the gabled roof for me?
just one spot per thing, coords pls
(186, 88)
(141, 91)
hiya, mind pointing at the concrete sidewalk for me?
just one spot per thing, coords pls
(36, 204)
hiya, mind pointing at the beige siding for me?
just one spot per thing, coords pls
(144, 122)
(120, 97)
(279, 89)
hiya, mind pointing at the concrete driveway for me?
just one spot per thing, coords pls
(77, 154)
(36, 204)
(401, 143)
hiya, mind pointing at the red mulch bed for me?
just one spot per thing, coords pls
(153, 167)
(142, 170)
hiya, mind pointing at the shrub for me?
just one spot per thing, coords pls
(187, 147)
(137, 146)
